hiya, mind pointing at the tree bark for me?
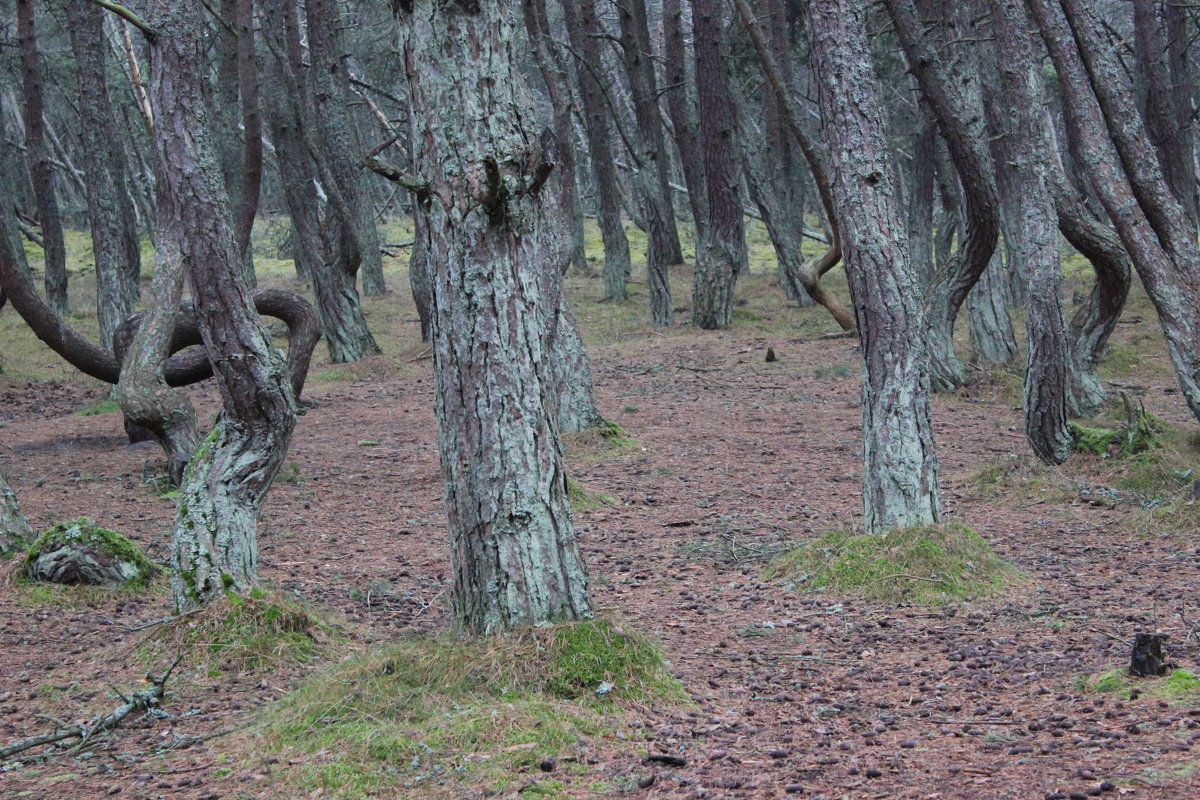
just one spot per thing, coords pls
(309, 131)
(992, 341)
(214, 547)
(1119, 160)
(142, 391)
(41, 166)
(490, 239)
(115, 246)
(595, 118)
(899, 462)
(721, 249)
(960, 121)
(1034, 234)
(252, 159)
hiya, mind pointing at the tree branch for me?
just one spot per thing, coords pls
(130, 17)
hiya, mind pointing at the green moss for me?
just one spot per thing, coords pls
(602, 441)
(84, 531)
(430, 717)
(1096, 440)
(926, 564)
(1177, 685)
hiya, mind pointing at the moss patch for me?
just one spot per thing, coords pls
(925, 564)
(1177, 685)
(84, 534)
(429, 717)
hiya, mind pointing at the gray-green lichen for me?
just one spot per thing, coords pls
(81, 552)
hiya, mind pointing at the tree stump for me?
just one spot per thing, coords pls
(1146, 660)
(15, 533)
(81, 552)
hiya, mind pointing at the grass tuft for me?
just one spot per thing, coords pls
(262, 630)
(584, 498)
(603, 441)
(429, 717)
(924, 564)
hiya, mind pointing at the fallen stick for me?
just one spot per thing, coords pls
(138, 701)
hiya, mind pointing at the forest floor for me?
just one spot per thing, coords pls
(793, 692)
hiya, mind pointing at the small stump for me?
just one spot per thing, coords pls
(1146, 660)
(81, 552)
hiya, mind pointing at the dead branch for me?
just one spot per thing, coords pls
(84, 731)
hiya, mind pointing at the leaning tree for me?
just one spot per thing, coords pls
(492, 252)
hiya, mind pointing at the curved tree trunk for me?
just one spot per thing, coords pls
(812, 270)
(1123, 168)
(215, 546)
(1033, 232)
(960, 120)
(146, 399)
(491, 245)
(41, 166)
(992, 341)
(899, 462)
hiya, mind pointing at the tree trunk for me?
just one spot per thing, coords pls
(899, 462)
(662, 239)
(1183, 99)
(1033, 232)
(41, 165)
(418, 275)
(215, 546)
(721, 250)
(252, 158)
(490, 240)
(353, 240)
(309, 129)
(1123, 168)
(684, 124)
(595, 119)
(992, 341)
(953, 99)
(1163, 120)
(15, 533)
(115, 246)
(920, 201)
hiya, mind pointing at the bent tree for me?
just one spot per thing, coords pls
(899, 462)
(215, 545)
(491, 244)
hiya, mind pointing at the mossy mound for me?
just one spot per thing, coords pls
(260, 630)
(15, 533)
(428, 717)
(80, 552)
(1178, 684)
(923, 564)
